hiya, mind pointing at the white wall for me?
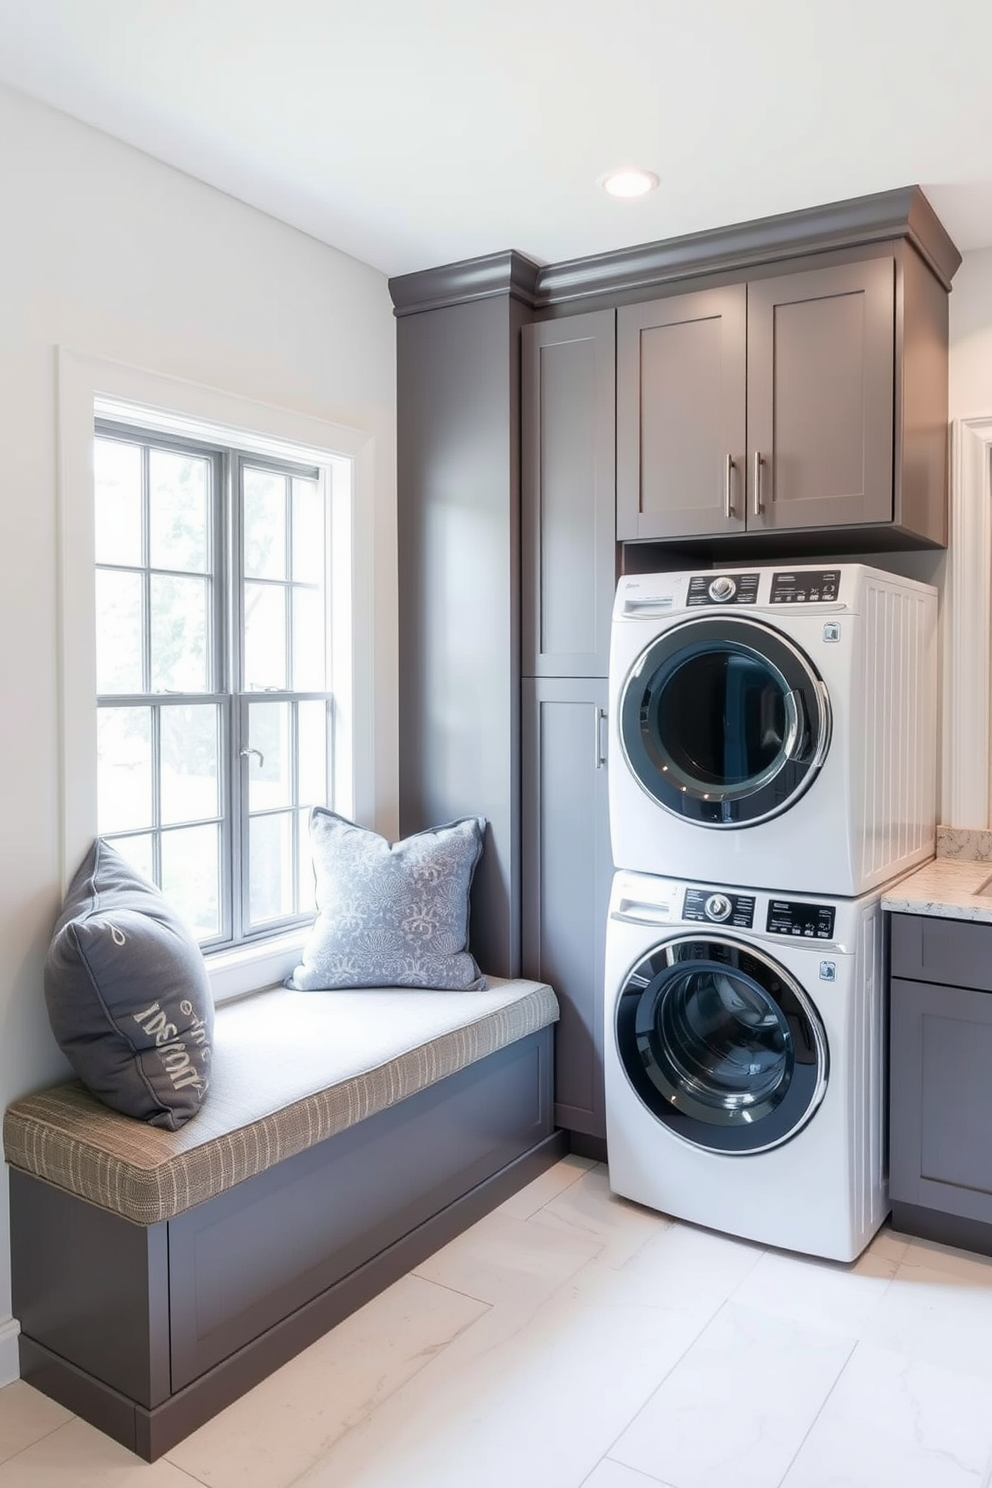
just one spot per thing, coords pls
(107, 252)
(970, 386)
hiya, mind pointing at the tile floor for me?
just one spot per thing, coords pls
(573, 1340)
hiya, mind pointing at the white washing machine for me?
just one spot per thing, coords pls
(774, 725)
(744, 1060)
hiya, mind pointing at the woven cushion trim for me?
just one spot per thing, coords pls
(148, 1174)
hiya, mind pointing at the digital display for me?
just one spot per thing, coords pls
(805, 586)
(804, 921)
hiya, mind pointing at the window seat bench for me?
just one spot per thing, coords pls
(159, 1275)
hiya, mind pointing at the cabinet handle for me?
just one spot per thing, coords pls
(599, 718)
(728, 491)
(757, 483)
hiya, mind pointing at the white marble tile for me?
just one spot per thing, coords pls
(609, 1474)
(545, 1187)
(539, 1406)
(893, 1422)
(79, 1456)
(589, 1207)
(824, 1294)
(684, 1266)
(502, 1258)
(276, 1431)
(25, 1417)
(738, 1406)
(937, 1308)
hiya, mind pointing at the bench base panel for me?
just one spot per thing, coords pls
(185, 1382)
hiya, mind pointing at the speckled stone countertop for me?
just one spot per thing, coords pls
(948, 886)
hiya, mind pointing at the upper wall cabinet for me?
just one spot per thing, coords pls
(568, 538)
(789, 404)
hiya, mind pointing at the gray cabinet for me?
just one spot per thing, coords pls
(566, 877)
(568, 538)
(940, 1159)
(796, 402)
(568, 577)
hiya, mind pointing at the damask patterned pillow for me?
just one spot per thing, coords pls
(391, 914)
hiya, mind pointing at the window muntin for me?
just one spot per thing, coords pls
(214, 705)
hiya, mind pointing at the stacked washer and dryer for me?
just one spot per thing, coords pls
(773, 764)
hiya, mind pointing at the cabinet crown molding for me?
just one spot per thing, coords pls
(901, 213)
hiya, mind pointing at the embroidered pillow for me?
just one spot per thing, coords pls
(391, 915)
(128, 996)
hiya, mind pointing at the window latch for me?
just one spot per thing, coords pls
(261, 756)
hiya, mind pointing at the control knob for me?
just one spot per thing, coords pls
(723, 588)
(718, 907)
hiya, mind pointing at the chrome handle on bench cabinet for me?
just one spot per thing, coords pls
(757, 483)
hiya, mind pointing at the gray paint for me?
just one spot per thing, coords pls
(639, 271)
(940, 1110)
(458, 531)
(566, 880)
(681, 403)
(568, 534)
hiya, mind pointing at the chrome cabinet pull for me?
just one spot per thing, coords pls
(599, 718)
(757, 483)
(729, 488)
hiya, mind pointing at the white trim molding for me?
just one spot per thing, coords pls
(10, 1367)
(967, 626)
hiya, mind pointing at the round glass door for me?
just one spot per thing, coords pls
(724, 721)
(721, 1044)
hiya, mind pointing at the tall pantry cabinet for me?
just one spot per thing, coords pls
(568, 576)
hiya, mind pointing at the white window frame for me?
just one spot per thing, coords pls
(93, 387)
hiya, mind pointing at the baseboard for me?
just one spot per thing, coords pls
(945, 1229)
(9, 1363)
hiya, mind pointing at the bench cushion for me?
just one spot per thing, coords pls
(289, 1069)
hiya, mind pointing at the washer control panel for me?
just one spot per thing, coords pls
(719, 908)
(804, 921)
(722, 589)
(805, 586)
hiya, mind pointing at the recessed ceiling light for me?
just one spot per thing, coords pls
(629, 182)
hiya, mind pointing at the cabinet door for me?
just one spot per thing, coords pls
(566, 876)
(681, 368)
(820, 379)
(568, 493)
(941, 1099)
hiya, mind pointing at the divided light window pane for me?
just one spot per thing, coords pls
(213, 701)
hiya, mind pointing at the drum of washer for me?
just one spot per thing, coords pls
(721, 1043)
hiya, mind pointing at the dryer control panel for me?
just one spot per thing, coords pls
(718, 907)
(806, 921)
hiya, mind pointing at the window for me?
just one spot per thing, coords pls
(215, 720)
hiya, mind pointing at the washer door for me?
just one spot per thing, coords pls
(721, 1044)
(724, 721)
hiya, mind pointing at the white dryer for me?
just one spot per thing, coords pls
(744, 1064)
(774, 726)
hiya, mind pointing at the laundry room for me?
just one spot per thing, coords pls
(622, 565)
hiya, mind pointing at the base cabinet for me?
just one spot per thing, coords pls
(566, 875)
(940, 1092)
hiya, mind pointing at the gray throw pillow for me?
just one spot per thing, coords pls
(391, 915)
(128, 996)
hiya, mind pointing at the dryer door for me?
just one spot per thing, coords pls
(722, 1044)
(724, 721)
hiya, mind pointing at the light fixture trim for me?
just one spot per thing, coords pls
(629, 182)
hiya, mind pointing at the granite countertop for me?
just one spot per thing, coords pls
(948, 886)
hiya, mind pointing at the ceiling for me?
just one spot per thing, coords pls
(411, 133)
